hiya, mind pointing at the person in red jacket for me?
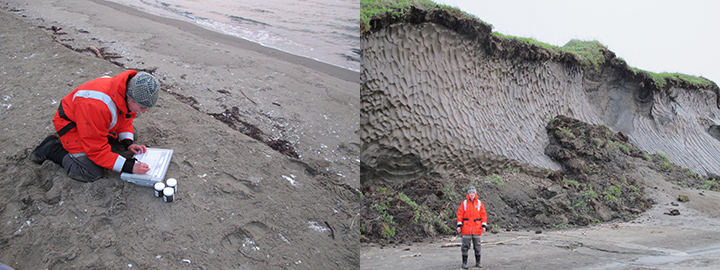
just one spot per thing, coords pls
(471, 223)
(89, 117)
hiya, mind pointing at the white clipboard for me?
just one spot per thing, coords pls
(158, 160)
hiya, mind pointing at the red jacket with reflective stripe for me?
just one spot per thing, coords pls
(99, 109)
(471, 216)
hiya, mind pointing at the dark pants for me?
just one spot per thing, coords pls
(80, 167)
(466, 238)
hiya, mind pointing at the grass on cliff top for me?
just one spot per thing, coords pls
(370, 9)
(661, 80)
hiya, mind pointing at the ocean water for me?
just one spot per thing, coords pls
(325, 30)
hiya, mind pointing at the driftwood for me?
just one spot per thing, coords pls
(411, 255)
(488, 244)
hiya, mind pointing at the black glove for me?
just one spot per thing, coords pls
(127, 143)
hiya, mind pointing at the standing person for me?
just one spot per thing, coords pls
(89, 117)
(471, 223)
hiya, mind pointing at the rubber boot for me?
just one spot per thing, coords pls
(49, 148)
(477, 261)
(464, 265)
(57, 153)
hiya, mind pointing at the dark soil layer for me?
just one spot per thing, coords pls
(594, 186)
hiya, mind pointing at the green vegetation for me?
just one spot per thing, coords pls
(510, 169)
(495, 179)
(570, 182)
(388, 231)
(449, 193)
(594, 168)
(407, 200)
(711, 184)
(661, 80)
(381, 208)
(614, 146)
(664, 164)
(588, 52)
(564, 132)
(399, 9)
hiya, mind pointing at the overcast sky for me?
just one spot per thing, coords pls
(658, 35)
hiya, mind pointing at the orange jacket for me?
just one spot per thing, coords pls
(471, 216)
(99, 109)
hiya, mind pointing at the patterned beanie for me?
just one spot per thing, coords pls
(143, 89)
(472, 190)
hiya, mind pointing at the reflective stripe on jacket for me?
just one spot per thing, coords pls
(99, 109)
(471, 216)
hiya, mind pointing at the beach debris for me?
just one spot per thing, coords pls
(332, 232)
(484, 244)
(451, 245)
(683, 198)
(284, 239)
(276, 103)
(313, 225)
(673, 212)
(353, 221)
(186, 261)
(411, 255)
(241, 91)
(291, 179)
(96, 51)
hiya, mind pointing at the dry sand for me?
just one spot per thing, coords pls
(240, 205)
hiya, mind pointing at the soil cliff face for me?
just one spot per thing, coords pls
(437, 101)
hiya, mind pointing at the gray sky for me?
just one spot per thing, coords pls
(658, 36)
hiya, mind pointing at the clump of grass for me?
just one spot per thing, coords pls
(665, 79)
(398, 9)
(588, 52)
(495, 179)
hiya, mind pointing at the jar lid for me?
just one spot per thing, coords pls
(159, 186)
(171, 182)
(168, 191)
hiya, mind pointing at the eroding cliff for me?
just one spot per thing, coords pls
(438, 101)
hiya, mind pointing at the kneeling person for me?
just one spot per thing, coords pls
(91, 115)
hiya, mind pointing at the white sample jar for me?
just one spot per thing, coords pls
(172, 183)
(159, 186)
(168, 194)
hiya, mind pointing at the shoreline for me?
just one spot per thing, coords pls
(329, 69)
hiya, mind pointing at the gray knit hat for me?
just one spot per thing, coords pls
(143, 89)
(472, 190)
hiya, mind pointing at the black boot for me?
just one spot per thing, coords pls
(43, 149)
(477, 261)
(50, 148)
(464, 265)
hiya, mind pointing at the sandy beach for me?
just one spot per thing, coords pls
(241, 204)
